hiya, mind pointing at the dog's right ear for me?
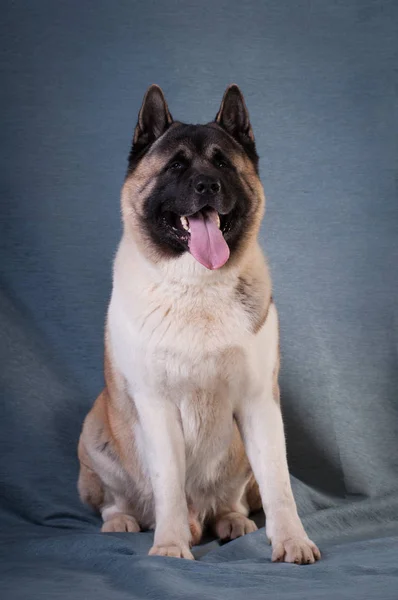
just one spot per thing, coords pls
(153, 119)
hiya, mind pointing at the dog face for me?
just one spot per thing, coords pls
(193, 188)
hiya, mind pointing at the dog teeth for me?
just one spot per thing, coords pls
(218, 221)
(185, 224)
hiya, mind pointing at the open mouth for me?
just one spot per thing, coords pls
(203, 233)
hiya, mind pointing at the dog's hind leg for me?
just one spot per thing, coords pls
(89, 485)
(233, 523)
(93, 492)
(116, 518)
(231, 519)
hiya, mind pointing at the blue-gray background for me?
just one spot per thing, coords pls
(320, 81)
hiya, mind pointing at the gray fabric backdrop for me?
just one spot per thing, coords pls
(320, 80)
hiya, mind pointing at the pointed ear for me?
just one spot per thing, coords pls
(153, 119)
(233, 116)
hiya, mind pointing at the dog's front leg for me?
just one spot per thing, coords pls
(165, 457)
(260, 422)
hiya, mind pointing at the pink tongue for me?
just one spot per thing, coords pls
(206, 242)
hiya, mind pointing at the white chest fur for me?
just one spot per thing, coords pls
(177, 339)
(189, 344)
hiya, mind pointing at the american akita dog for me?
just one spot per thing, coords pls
(188, 431)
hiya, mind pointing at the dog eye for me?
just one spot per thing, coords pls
(221, 164)
(220, 161)
(176, 165)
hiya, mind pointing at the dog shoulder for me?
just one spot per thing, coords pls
(253, 290)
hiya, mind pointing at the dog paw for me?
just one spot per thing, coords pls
(298, 550)
(174, 550)
(196, 531)
(121, 523)
(234, 525)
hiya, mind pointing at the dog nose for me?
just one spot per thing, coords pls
(207, 185)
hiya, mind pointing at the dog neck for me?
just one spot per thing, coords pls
(132, 265)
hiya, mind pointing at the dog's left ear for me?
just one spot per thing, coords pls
(153, 119)
(233, 116)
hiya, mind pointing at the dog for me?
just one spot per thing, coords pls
(188, 431)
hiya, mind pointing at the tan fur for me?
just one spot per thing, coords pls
(186, 352)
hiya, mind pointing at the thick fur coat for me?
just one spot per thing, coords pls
(188, 431)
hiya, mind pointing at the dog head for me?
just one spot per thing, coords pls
(193, 189)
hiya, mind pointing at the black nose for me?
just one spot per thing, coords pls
(207, 185)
